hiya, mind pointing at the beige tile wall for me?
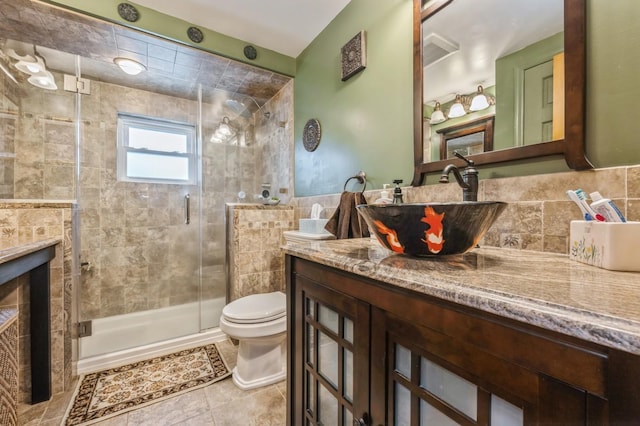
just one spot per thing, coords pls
(8, 367)
(255, 235)
(538, 215)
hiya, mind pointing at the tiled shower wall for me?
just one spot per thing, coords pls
(139, 254)
(255, 232)
(274, 136)
(130, 232)
(8, 114)
(538, 212)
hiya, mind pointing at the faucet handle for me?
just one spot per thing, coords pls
(462, 157)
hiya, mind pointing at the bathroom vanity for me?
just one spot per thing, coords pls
(33, 258)
(492, 336)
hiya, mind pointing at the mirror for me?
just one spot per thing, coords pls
(503, 149)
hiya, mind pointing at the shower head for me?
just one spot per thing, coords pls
(239, 108)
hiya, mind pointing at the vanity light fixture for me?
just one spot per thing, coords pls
(479, 101)
(437, 116)
(129, 66)
(457, 109)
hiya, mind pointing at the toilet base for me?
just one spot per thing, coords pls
(252, 384)
(260, 362)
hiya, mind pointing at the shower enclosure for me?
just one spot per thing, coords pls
(151, 159)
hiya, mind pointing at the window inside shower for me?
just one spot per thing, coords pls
(154, 150)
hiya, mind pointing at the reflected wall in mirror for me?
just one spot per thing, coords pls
(521, 55)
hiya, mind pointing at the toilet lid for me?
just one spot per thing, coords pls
(256, 308)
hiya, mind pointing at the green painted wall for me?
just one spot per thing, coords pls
(157, 23)
(509, 75)
(367, 120)
(613, 93)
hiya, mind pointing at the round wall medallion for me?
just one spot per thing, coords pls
(250, 52)
(195, 35)
(128, 12)
(311, 135)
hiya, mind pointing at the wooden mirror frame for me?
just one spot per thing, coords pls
(572, 146)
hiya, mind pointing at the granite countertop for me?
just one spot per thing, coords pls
(10, 253)
(543, 289)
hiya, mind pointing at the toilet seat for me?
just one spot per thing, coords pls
(256, 308)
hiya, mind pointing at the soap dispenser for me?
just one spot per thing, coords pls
(384, 196)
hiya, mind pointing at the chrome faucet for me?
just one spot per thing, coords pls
(468, 180)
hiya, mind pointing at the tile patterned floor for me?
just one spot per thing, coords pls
(220, 404)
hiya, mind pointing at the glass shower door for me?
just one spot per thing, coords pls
(139, 204)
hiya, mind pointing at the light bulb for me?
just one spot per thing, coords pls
(437, 116)
(479, 101)
(43, 80)
(31, 67)
(457, 110)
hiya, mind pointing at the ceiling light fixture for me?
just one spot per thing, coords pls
(30, 63)
(437, 116)
(479, 101)
(129, 66)
(43, 80)
(224, 132)
(31, 67)
(225, 128)
(457, 109)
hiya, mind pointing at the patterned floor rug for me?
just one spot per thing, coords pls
(111, 392)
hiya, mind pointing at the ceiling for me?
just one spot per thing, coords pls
(285, 26)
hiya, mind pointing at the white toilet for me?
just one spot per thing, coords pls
(259, 323)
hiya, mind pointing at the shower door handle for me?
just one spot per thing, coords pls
(187, 209)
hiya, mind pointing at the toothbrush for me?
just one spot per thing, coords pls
(584, 207)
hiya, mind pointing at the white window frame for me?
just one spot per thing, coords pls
(126, 121)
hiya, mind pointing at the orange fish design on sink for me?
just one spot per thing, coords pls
(391, 236)
(433, 236)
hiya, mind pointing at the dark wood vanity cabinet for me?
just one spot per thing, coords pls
(363, 352)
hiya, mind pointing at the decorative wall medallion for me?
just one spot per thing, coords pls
(250, 52)
(311, 135)
(354, 56)
(195, 35)
(128, 12)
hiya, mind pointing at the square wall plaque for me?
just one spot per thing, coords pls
(354, 56)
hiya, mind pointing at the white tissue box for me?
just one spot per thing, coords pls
(608, 245)
(312, 226)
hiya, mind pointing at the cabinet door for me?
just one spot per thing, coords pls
(330, 376)
(428, 378)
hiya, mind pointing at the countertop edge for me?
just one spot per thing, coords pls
(11, 253)
(613, 332)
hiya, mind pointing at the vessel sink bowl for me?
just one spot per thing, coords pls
(431, 229)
